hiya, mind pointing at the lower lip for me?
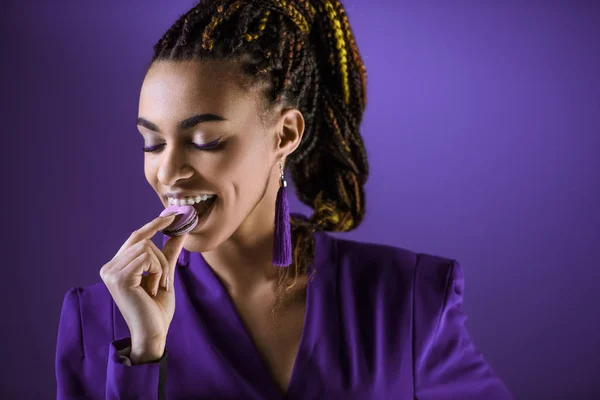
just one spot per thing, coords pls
(202, 219)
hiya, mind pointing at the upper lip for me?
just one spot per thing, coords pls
(181, 195)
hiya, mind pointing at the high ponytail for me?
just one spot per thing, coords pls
(307, 51)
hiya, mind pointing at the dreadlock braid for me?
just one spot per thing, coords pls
(307, 51)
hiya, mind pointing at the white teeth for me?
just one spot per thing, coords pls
(190, 200)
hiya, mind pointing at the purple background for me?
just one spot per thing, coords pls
(482, 128)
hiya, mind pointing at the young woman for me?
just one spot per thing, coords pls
(237, 91)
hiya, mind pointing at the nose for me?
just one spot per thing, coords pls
(173, 165)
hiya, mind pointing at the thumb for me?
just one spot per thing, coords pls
(172, 249)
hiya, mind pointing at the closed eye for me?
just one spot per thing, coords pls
(211, 146)
(208, 146)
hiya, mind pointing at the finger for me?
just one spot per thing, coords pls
(171, 249)
(132, 273)
(144, 284)
(146, 232)
(159, 258)
(124, 277)
(163, 262)
(130, 253)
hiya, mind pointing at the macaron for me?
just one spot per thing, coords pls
(185, 220)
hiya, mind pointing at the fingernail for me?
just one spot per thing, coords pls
(167, 285)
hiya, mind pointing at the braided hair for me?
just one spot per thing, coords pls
(306, 50)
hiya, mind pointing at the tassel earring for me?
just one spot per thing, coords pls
(282, 241)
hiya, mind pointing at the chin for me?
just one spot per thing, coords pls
(209, 235)
(205, 240)
(197, 244)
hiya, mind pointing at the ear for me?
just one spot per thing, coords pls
(290, 132)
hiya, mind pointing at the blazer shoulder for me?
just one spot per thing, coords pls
(361, 253)
(434, 275)
(92, 298)
(95, 310)
(382, 258)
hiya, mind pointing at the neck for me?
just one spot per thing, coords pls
(243, 262)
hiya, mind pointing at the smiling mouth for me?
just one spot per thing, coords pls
(204, 206)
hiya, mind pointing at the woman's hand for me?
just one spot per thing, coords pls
(144, 301)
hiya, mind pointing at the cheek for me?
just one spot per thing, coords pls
(245, 164)
(149, 173)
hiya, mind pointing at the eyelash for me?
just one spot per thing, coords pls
(212, 146)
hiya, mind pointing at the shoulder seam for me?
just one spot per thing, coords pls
(79, 301)
(447, 286)
(413, 339)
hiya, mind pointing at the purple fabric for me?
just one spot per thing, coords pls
(282, 241)
(381, 323)
(123, 379)
(87, 354)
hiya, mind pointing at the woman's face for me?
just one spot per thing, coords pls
(230, 152)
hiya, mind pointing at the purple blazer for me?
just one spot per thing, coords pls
(381, 323)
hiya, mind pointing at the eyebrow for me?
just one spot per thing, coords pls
(185, 124)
